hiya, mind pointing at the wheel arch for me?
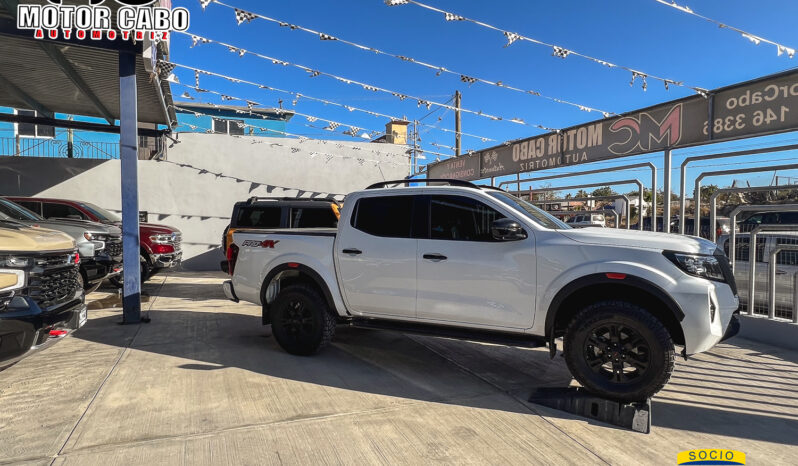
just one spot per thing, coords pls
(289, 273)
(597, 287)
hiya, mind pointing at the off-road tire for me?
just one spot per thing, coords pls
(87, 288)
(584, 337)
(302, 322)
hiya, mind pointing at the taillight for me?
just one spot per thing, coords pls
(718, 232)
(232, 256)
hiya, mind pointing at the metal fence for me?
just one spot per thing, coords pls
(47, 147)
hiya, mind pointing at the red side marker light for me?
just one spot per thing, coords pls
(616, 276)
(77, 258)
(292, 265)
(58, 333)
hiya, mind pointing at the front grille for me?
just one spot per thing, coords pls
(53, 286)
(725, 266)
(113, 247)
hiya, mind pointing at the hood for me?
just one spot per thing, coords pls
(640, 239)
(88, 225)
(26, 239)
(155, 228)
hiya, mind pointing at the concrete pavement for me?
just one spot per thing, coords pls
(205, 383)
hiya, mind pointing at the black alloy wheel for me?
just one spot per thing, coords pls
(618, 350)
(302, 322)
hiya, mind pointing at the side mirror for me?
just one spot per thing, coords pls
(506, 229)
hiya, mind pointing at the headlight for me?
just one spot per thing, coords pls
(699, 265)
(15, 262)
(11, 280)
(161, 239)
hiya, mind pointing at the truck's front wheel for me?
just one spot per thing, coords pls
(618, 350)
(301, 320)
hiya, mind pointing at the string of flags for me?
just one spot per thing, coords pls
(420, 101)
(354, 131)
(464, 77)
(780, 49)
(298, 96)
(557, 51)
(294, 149)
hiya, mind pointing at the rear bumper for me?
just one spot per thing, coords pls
(229, 291)
(26, 327)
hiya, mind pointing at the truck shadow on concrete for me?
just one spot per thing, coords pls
(744, 401)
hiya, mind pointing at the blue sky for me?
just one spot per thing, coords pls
(640, 34)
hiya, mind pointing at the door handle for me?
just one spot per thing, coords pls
(435, 257)
(352, 251)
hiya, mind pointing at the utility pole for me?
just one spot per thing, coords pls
(415, 148)
(70, 141)
(457, 97)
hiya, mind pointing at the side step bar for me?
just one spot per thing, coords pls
(459, 333)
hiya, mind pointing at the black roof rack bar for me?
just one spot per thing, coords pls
(295, 199)
(384, 184)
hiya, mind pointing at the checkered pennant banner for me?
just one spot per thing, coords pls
(164, 69)
(204, 3)
(425, 103)
(560, 52)
(333, 126)
(353, 131)
(511, 37)
(241, 125)
(242, 16)
(227, 97)
(396, 2)
(311, 119)
(453, 17)
(186, 95)
(251, 104)
(314, 73)
(467, 79)
(400, 96)
(370, 88)
(323, 36)
(198, 40)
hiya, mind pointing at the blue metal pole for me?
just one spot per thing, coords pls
(128, 151)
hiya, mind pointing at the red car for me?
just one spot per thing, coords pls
(160, 244)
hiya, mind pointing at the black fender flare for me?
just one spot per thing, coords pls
(600, 279)
(302, 270)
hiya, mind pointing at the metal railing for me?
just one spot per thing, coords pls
(584, 199)
(713, 207)
(58, 148)
(772, 281)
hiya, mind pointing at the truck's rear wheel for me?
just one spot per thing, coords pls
(618, 350)
(301, 320)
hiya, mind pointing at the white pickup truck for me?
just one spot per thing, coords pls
(472, 262)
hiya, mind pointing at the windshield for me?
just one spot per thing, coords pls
(11, 211)
(530, 211)
(101, 213)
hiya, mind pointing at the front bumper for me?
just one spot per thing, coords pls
(25, 327)
(229, 291)
(99, 268)
(166, 261)
(709, 309)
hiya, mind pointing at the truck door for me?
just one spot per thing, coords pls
(376, 255)
(466, 276)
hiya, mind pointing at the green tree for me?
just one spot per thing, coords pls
(604, 191)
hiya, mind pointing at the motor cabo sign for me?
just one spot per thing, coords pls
(763, 106)
(133, 19)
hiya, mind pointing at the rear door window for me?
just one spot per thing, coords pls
(313, 217)
(386, 216)
(53, 210)
(254, 216)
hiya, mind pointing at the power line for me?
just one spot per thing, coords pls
(195, 39)
(464, 77)
(780, 49)
(557, 51)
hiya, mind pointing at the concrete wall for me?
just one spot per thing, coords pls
(204, 174)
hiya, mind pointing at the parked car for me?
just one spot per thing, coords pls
(767, 218)
(40, 296)
(587, 220)
(160, 245)
(100, 246)
(721, 226)
(275, 212)
(647, 224)
(477, 263)
(786, 268)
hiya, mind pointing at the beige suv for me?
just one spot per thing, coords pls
(40, 297)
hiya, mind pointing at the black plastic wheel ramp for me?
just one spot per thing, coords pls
(577, 400)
